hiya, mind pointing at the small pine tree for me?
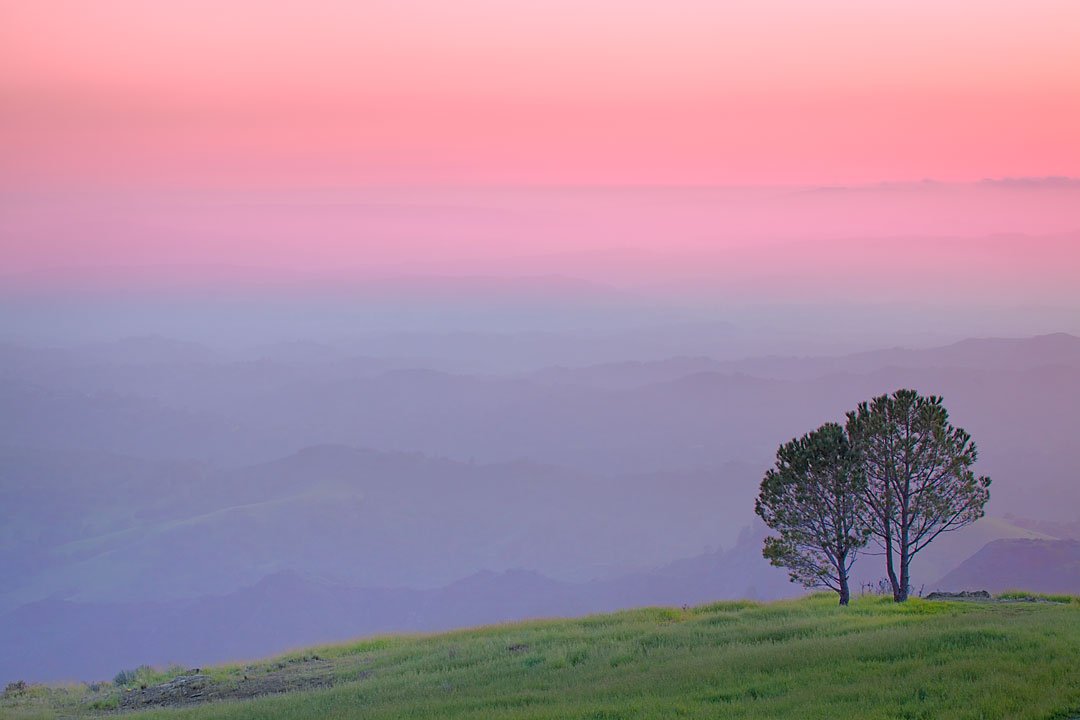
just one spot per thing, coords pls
(814, 498)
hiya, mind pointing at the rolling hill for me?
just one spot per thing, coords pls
(1045, 566)
(802, 658)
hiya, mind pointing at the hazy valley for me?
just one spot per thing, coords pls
(172, 501)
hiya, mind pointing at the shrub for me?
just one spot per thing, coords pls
(14, 689)
(140, 675)
(124, 677)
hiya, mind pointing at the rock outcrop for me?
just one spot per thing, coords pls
(962, 595)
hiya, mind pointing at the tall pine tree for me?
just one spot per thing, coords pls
(918, 478)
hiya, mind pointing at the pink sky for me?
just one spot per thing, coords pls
(212, 93)
(389, 134)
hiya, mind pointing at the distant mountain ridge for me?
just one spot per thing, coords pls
(54, 639)
(360, 516)
(986, 353)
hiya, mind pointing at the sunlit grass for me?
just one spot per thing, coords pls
(804, 658)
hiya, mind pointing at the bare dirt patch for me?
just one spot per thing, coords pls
(985, 597)
(197, 688)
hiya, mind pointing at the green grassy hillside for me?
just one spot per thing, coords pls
(795, 659)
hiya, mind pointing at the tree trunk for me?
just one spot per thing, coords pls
(889, 564)
(886, 526)
(904, 502)
(905, 577)
(905, 561)
(892, 577)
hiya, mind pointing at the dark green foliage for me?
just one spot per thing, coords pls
(919, 481)
(124, 677)
(814, 498)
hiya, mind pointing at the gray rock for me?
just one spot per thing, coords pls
(181, 689)
(962, 595)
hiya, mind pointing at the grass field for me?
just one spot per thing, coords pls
(805, 658)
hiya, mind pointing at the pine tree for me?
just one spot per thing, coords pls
(918, 478)
(814, 498)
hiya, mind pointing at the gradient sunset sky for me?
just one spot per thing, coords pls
(135, 131)
(331, 92)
